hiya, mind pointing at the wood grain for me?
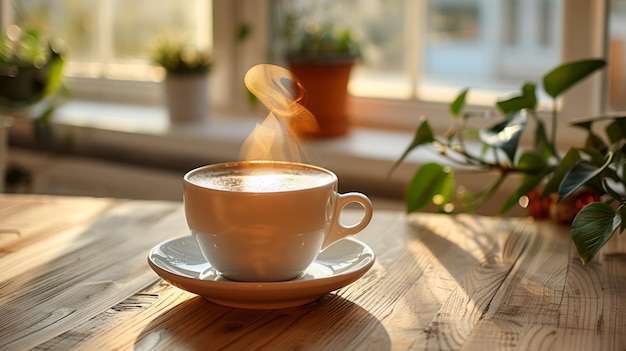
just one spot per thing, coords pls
(74, 276)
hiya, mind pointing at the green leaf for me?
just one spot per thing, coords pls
(459, 102)
(513, 104)
(528, 90)
(55, 74)
(528, 100)
(609, 190)
(423, 135)
(569, 74)
(592, 228)
(596, 157)
(594, 141)
(568, 162)
(579, 175)
(585, 124)
(430, 180)
(621, 211)
(616, 131)
(505, 135)
(542, 145)
(588, 123)
(602, 160)
(531, 162)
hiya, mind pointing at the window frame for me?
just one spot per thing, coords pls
(143, 92)
(584, 35)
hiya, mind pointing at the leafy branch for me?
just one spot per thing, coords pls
(599, 164)
(434, 184)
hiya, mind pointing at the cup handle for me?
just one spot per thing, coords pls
(338, 230)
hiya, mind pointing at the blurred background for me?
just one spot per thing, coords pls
(411, 49)
(415, 58)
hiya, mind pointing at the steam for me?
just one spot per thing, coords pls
(278, 138)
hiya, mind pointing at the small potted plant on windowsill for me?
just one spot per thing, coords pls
(579, 186)
(322, 57)
(186, 80)
(31, 77)
(31, 88)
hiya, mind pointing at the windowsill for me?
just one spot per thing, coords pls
(143, 136)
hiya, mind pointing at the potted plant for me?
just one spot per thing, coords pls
(599, 164)
(186, 80)
(31, 77)
(579, 179)
(321, 56)
(31, 87)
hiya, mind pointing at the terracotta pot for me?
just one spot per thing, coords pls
(326, 86)
(187, 97)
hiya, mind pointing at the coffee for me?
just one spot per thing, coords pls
(264, 220)
(261, 178)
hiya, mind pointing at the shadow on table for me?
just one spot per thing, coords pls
(331, 322)
(471, 239)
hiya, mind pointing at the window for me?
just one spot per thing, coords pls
(429, 50)
(110, 41)
(418, 54)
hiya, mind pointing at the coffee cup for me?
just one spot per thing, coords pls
(266, 221)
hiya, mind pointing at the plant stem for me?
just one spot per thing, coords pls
(554, 127)
(485, 194)
(551, 144)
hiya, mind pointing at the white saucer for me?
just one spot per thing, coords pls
(180, 262)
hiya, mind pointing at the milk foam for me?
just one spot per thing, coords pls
(257, 179)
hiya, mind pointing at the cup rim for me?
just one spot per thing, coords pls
(189, 174)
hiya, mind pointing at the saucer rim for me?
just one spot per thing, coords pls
(267, 295)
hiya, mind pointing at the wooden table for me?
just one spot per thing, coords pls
(73, 274)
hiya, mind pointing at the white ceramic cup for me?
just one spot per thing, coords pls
(266, 221)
